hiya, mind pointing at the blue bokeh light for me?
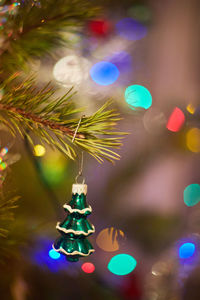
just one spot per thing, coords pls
(104, 73)
(186, 250)
(53, 254)
(39, 256)
(131, 29)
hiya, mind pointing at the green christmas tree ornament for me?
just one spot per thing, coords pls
(75, 228)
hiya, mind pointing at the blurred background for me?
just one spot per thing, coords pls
(146, 212)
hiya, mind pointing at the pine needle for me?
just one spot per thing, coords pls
(28, 111)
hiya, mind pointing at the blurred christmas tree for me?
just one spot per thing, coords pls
(88, 53)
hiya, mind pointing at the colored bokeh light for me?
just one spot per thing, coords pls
(186, 250)
(190, 108)
(104, 73)
(122, 264)
(193, 140)
(54, 167)
(53, 254)
(88, 267)
(15, 4)
(109, 239)
(191, 194)
(39, 150)
(176, 120)
(99, 27)
(137, 96)
(3, 166)
(131, 29)
(44, 256)
(122, 60)
(140, 12)
(3, 151)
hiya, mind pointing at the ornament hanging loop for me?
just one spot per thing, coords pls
(77, 128)
(80, 172)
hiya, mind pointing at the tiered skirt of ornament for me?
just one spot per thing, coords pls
(75, 228)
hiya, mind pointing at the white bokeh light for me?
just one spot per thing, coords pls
(71, 70)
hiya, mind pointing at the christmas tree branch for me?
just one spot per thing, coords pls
(38, 120)
(24, 109)
(38, 27)
(11, 230)
(6, 214)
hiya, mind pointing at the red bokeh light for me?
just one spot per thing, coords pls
(176, 120)
(88, 267)
(99, 27)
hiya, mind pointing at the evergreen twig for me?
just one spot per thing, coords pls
(23, 109)
(38, 28)
(6, 214)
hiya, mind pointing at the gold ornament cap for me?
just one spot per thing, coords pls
(79, 188)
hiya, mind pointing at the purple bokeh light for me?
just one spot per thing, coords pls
(131, 29)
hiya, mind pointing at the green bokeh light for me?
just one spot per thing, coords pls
(191, 194)
(140, 12)
(54, 168)
(138, 96)
(122, 264)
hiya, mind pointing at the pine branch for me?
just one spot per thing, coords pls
(38, 29)
(26, 110)
(6, 214)
(11, 233)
